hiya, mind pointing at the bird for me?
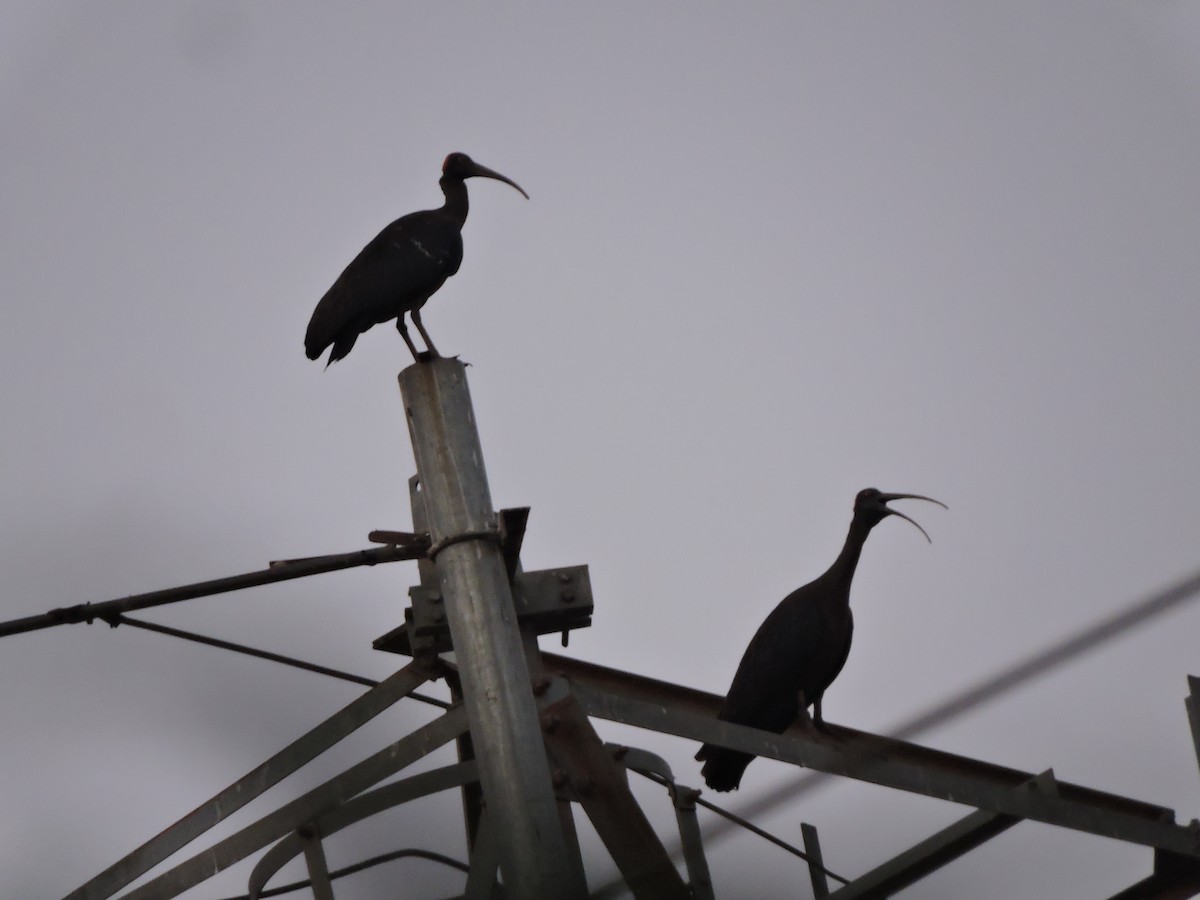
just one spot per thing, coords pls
(799, 649)
(399, 270)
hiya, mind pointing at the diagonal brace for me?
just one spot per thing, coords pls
(303, 809)
(935, 851)
(604, 794)
(301, 751)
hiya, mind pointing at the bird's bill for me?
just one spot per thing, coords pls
(907, 519)
(885, 498)
(484, 172)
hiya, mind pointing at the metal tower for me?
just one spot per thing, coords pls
(522, 722)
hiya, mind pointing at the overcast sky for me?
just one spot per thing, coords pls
(773, 254)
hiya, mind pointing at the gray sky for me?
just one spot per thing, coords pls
(773, 255)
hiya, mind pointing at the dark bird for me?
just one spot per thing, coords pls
(800, 648)
(399, 270)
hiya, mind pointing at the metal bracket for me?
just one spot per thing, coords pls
(549, 601)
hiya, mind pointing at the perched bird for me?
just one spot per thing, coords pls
(399, 270)
(800, 648)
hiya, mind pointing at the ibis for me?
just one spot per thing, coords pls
(799, 649)
(399, 270)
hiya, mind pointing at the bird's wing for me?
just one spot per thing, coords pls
(394, 274)
(844, 653)
(764, 689)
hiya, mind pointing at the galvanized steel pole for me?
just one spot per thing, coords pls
(499, 702)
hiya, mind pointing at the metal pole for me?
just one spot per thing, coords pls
(513, 767)
(280, 571)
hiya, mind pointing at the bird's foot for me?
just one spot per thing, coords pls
(814, 721)
(428, 356)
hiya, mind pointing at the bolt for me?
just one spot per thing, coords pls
(551, 723)
(567, 596)
(541, 684)
(558, 778)
(565, 577)
(619, 753)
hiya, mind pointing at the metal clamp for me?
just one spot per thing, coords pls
(481, 534)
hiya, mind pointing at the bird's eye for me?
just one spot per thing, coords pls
(867, 494)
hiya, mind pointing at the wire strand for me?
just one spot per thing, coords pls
(749, 826)
(263, 654)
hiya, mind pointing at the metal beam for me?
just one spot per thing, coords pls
(816, 861)
(604, 795)
(464, 532)
(684, 799)
(472, 794)
(1192, 702)
(934, 852)
(671, 709)
(355, 810)
(1175, 878)
(281, 571)
(485, 861)
(988, 689)
(303, 809)
(301, 751)
(318, 866)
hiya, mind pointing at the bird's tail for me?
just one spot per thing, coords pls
(327, 327)
(723, 768)
(341, 346)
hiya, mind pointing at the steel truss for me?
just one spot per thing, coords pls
(539, 735)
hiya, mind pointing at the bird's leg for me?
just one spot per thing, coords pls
(802, 704)
(400, 327)
(818, 719)
(416, 317)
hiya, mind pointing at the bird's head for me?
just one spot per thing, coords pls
(871, 508)
(459, 166)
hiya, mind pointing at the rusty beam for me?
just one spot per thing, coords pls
(604, 795)
(669, 708)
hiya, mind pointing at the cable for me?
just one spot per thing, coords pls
(119, 619)
(360, 866)
(749, 826)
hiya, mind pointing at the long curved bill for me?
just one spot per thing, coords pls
(485, 172)
(885, 498)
